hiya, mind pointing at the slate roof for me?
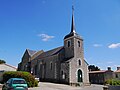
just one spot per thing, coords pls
(72, 34)
(67, 59)
(31, 52)
(50, 53)
(101, 71)
(118, 71)
(36, 54)
(86, 62)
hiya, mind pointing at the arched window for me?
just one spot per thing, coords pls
(78, 43)
(55, 70)
(35, 68)
(80, 78)
(69, 43)
(79, 62)
(63, 75)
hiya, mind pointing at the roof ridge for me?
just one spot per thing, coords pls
(53, 49)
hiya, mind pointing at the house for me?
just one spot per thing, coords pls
(99, 77)
(6, 67)
(64, 64)
(117, 73)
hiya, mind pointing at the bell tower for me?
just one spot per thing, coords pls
(73, 43)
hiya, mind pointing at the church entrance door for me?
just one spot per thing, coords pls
(80, 76)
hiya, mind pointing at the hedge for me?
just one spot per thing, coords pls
(113, 82)
(21, 74)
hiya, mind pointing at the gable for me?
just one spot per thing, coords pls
(26, 56)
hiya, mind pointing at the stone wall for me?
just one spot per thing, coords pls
(114, 88)
(111, 88)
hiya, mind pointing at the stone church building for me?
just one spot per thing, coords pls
(65, 64)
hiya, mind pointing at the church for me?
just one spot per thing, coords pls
(64, 64)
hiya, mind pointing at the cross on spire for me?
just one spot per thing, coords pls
(72, 7)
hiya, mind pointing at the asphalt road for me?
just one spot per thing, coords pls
(52, 86)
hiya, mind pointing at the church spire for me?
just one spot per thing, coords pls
(73, 30)
(73, 22)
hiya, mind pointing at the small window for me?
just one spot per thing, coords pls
(62, 72)
(79, 62)
(51, 65)
(78, 43)
(116, 75)
(69, 43)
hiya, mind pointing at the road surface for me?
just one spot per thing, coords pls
(52, 86)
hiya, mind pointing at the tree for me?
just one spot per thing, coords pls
(2, 61)
(93, 68)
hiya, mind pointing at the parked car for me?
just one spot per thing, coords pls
(37, 79)
(15, 84)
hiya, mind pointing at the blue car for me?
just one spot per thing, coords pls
(15, 84)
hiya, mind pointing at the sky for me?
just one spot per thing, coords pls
(43, 24)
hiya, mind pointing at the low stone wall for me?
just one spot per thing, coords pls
(114, 87)
(111, 87)
(0, 85)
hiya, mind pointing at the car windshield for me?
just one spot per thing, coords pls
(19, 82)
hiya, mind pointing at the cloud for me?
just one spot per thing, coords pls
(45, 37)
(97, 45)
(114, 45)
(109, 62)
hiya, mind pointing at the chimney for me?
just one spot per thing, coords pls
(118, 68)
(109, 68)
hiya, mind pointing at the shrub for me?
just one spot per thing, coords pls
(36, 83)
(20, 74)
(113, 82)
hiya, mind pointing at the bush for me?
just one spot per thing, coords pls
(20, 74)
(113, 82)
(36, 83)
